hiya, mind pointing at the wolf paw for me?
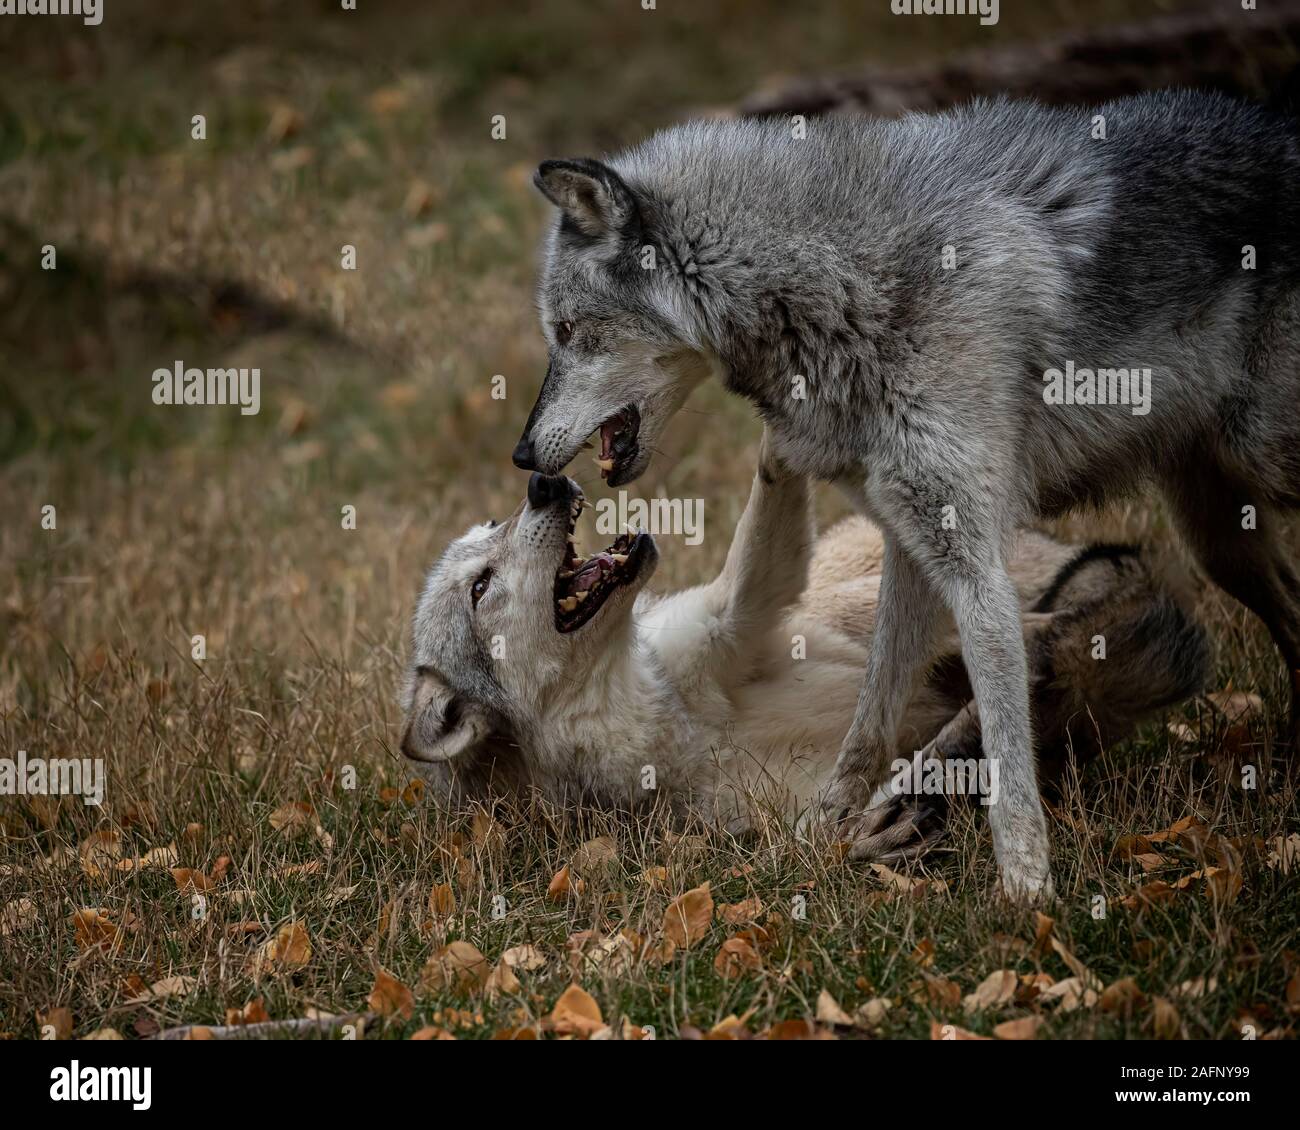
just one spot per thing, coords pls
(1026, 885)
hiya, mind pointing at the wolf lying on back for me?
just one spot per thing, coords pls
(532, 666)
(891, 295)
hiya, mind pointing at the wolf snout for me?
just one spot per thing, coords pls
(523, 456)
(545, 489)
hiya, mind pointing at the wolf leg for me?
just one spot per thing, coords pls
(907, 617)
(1235, 535)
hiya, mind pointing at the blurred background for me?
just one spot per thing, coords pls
(373, 128)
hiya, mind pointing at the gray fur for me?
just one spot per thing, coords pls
(703, 687)
(820, 256)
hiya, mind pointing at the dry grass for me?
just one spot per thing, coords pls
(375, 385)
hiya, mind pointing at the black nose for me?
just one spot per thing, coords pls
(523, 455)
(545, 489)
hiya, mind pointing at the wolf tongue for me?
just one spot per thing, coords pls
(591, 572)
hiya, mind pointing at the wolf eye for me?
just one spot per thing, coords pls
(480, 586)
(563, 331)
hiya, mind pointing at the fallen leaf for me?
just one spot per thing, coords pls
(442, 900)
(17, 915)
(1071, 993)
(186, 877)
(99, 852)
(595, 855)
(458, 965)
(1024, 1028)
(93, 929)
(872, 1013)
(797, 1030)
(996, 989)
(576, 1013)
(1284, 854)
(1122, 998)
(254, 1012)
(729, 1028)
(1043, 926)
(502, 979)
(290, 949)
(739, 913)
(940, 990)
(390, 997)
(688, 916)
(104, 1034)
(432, 1033)
(527, 958)
(904, 884)
(294, 818)
(829, 1011)
(734, 957)
(558, 888)
(167, 987)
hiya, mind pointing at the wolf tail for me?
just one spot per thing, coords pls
(1121, 644)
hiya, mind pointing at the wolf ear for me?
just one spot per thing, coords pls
(592, 195)
(441, 725)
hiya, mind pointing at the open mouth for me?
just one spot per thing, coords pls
(583, 584)
(618, 446)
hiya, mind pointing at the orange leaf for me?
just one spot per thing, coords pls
(390, 997)
(734, 957)
(576, 1013)
(688, 916)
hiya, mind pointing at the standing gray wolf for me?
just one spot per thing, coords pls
(533, 666)
(900, 300)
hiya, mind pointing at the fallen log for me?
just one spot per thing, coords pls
(1253, 54)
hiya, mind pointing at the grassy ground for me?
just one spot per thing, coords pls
(371, 128)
